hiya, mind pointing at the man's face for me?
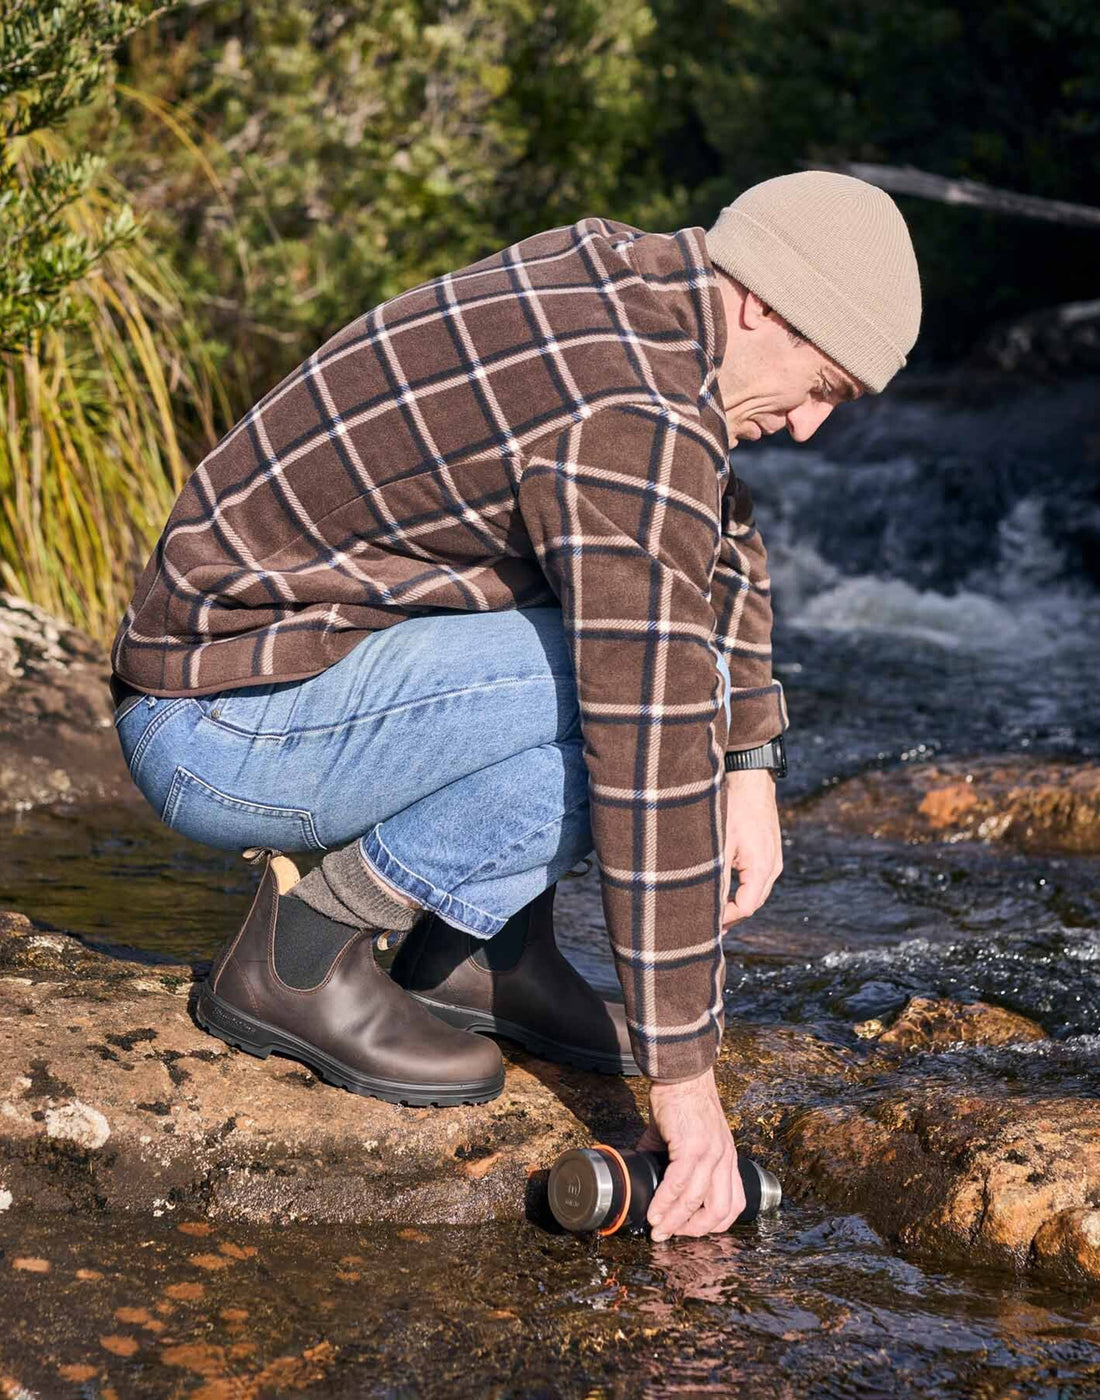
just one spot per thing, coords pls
(768, 381)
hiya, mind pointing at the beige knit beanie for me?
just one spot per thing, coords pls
(833, 256)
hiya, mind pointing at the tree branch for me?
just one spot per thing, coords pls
(906, 179)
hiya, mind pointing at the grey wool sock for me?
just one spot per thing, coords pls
(343, 888)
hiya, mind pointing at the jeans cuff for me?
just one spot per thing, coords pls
(465, 916)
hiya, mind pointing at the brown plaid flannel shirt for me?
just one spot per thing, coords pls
(542, 427)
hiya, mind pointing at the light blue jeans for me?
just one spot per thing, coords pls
(449, 745)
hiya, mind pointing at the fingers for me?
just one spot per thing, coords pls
(679, 1196)
(753, 843)
(699, 1199)
(751, 895)
(696, 1193)
(716, 1213)
(737, 1194)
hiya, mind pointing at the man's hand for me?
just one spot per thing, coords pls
(701, 1192)
(753, 844)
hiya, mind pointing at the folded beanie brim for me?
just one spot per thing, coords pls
(805, 296)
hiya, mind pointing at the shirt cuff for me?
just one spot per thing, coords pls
(757, 716)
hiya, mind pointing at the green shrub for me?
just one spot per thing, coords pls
(97, 354)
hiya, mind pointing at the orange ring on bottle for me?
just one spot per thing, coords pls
(617, 1222)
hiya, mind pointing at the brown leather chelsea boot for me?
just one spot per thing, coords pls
(517, 985)
(355, 1028)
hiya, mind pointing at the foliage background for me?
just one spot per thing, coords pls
(291, 164)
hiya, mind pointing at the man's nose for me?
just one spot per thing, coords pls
(804, 421)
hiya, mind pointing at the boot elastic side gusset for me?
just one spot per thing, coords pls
(353, 1027)
(307, 943)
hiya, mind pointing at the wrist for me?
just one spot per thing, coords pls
(748, 777)
(702, 1079)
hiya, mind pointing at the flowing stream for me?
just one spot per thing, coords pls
(935, 597)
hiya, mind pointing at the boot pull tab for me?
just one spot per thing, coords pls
(282, 869)
(255, 854)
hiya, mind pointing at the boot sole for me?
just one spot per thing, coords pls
(465, 1018)
(258, 1038)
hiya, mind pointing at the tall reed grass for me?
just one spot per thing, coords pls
(99, 426)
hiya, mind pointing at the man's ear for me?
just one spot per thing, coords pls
(753, 311)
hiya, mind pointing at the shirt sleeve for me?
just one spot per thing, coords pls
(741, 595)
(622, 510)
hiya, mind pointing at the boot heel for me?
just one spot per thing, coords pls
(228, 1026)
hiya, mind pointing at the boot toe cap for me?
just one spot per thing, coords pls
(477, 1059)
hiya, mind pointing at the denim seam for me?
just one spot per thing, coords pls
(447, 899)
(153, 728)
(350, 724)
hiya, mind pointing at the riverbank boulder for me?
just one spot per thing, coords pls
(963, 1175)
(1031, 804)
(57, 741)
(112, 1098)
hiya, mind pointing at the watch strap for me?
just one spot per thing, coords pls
(772, 755)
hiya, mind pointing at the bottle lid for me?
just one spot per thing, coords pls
(771, 1192)
(581, 1188)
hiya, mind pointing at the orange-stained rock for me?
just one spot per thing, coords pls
(186, 1292)
(926, 1023)
(957, 1173)
(1068, 1245)
(1032, 804)
(119, 1345)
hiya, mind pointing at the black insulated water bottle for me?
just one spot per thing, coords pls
(602, 1188)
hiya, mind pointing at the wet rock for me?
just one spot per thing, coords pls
(975, 1177)
(111, 1096)
(929, 1022)
(1030, 804)
(1068, 1245)
(57, 739)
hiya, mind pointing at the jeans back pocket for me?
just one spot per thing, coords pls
(196, 809)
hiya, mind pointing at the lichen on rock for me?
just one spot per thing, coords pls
(78, 1123)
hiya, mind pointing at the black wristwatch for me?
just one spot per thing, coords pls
(771, 755)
